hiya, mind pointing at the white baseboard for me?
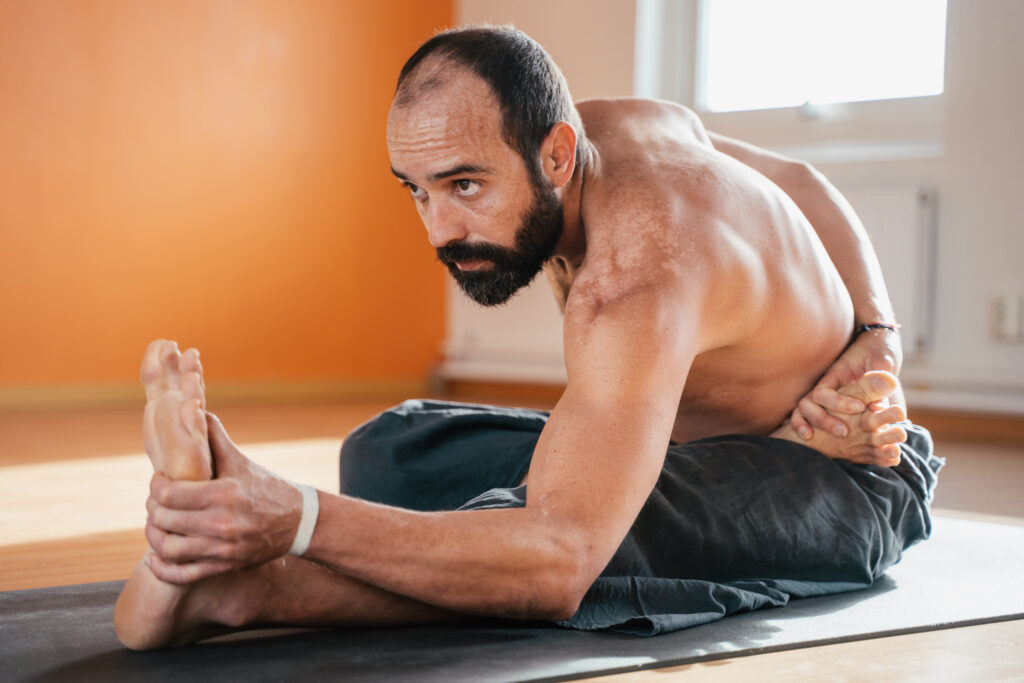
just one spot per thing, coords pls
(538, 369)
(967, 401)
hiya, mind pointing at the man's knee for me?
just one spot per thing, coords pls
(366, 461)
(436, 455)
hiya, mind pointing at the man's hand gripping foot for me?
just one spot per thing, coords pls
(872, 438)
(149, 612)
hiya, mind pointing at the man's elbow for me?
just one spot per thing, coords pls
(557, 596)
(558, 589)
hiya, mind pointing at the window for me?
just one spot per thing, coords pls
(822, 80)
(787, 53)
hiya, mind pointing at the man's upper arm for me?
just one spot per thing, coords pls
(774, 166)
(602, 450)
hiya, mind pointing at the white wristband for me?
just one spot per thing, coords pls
(310, 511)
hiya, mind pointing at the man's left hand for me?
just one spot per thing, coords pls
(247, 516)
(872, 350)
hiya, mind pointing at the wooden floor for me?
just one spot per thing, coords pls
(73, 486)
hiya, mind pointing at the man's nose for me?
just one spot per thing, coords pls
(444, 224)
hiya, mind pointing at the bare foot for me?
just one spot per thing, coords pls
(174, 426)
(150, 613)
(872, 438)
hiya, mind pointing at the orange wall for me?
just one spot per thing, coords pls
(213, 172)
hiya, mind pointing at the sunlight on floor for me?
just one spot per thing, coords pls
(66, 499)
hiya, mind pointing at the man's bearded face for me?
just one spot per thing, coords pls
(510, 269)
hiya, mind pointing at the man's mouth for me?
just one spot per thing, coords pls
(470, 265)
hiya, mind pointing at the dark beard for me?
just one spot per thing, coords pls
(510, 269)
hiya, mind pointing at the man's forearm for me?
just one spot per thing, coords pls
(505, 562)
(846, 242)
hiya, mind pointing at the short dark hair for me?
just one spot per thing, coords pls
(530, 89)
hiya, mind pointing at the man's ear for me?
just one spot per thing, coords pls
(558, 153)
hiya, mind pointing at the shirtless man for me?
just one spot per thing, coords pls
(698, 301)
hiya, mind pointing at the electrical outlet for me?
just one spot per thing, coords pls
(1005, 318)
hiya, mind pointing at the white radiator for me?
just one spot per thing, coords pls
(900, 218)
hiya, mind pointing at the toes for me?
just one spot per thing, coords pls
(193, 388)
(194, 418)
(873, 386)
(888, 456)
(152, 373)
(875, 421)
(170, 359)
(890, 436)
(159, 371)
(162, 365)
(190, 361)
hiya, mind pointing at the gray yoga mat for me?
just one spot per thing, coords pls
(968, 573)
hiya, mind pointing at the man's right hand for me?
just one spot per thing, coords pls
(878, 349)
(243, 518)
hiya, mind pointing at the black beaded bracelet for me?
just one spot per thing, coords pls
(892, 327)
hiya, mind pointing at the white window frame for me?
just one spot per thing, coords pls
(667, 66)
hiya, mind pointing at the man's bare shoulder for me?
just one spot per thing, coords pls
(654, 160)
(657, 209)
(598, 113)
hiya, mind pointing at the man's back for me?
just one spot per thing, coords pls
(660, 206)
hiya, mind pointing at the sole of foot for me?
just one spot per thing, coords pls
(174, 426)
(150, 613)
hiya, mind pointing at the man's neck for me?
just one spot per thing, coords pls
(572, 246)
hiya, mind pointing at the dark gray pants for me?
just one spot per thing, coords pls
(734, 523)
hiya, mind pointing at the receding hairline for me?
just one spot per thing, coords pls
(434, 72)
(526, 85)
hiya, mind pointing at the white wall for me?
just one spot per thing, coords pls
(981, 213)
(592, 42)
(977, 172)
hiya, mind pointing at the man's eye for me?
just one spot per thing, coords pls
(415, 191)
(467, 188)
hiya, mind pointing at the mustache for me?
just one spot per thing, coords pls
(449, 254)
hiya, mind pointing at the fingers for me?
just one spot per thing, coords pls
(178, 548)
(226, 456)
(187, 572)
(830, 399)
(180, 494)
(800, 425)
(217, 524)
(219, 438)
(819, 418)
